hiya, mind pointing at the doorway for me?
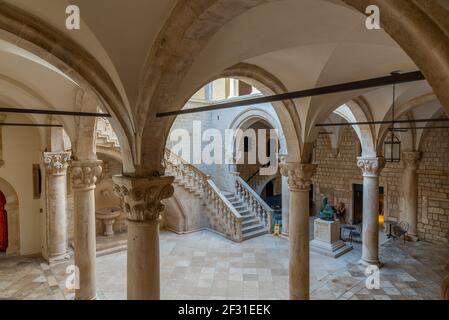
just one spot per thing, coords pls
(3, 224)
(357, 191)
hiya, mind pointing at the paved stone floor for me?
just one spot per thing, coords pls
(204, 265)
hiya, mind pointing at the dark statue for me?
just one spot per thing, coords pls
(327, 212)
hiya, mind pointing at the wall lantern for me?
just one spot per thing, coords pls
(392, 144)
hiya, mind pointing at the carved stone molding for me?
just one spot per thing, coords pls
(85, 173)
(371, 167)
(56, 162)
(411, 159)
(299, 175)
(142, 196)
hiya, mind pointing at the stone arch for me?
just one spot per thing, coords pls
(421, 138)
(192, 23)
(246, 118)
(353, 111)
(42, 40)
(12, 208)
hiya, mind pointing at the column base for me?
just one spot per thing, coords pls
(59, 259)
(333, 250)
(284, 235)
(367, 263)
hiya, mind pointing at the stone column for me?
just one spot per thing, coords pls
(142, 205)
(371, 168)
(299, 181)
(56, 173)
(285, 206)
(410, 191)
(84, 176)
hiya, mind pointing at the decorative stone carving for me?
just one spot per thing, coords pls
(85, 173)
(142, 196)
(371, 167)
(299, 175)
(411, 159)
(56, 162)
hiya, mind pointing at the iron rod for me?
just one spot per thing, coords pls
(378, 122)
(55, 112)
(13, 124)
(342, 87)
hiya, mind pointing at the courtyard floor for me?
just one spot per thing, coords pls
(204, 265)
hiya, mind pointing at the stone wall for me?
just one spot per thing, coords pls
(433, 187)
(337, 172)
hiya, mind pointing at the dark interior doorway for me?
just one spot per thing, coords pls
(3, 224)
(357, 191)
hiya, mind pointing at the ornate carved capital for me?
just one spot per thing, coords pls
(371, 167)
(56, 162)
(411, 159)
(142, 196)
(85, 173)
(299, 175)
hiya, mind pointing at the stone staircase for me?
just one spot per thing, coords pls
(238, 216)
(106, 137)
(251, 226)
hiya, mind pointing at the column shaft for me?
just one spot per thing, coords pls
(370, 235)
(410, 192)
(56, 169)
(142, 202)
(84, 176)
(371, 168)
(299, 271)
(143, 260)
(299, 181)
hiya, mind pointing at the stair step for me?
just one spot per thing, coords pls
(250, 222)
(254, 234)
(253, 228)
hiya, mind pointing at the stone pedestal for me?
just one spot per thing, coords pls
(327, 239)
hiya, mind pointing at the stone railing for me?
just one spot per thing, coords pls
(105, 134)
(223, 217)
(254, 202)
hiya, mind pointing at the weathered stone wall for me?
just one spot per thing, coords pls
(336, 174)
(433, 187)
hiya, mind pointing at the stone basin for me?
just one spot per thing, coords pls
(107, 216)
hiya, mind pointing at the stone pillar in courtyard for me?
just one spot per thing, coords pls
(285, 207)
(56, 189)
(371, 168)
(410, 191)
(142, 204)
(84, 174)
(299, 181)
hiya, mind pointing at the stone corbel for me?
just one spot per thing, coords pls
(411, 159)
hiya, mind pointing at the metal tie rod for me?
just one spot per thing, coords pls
(342, 87)
(14, 124)
(378, 122)
(55, 112)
